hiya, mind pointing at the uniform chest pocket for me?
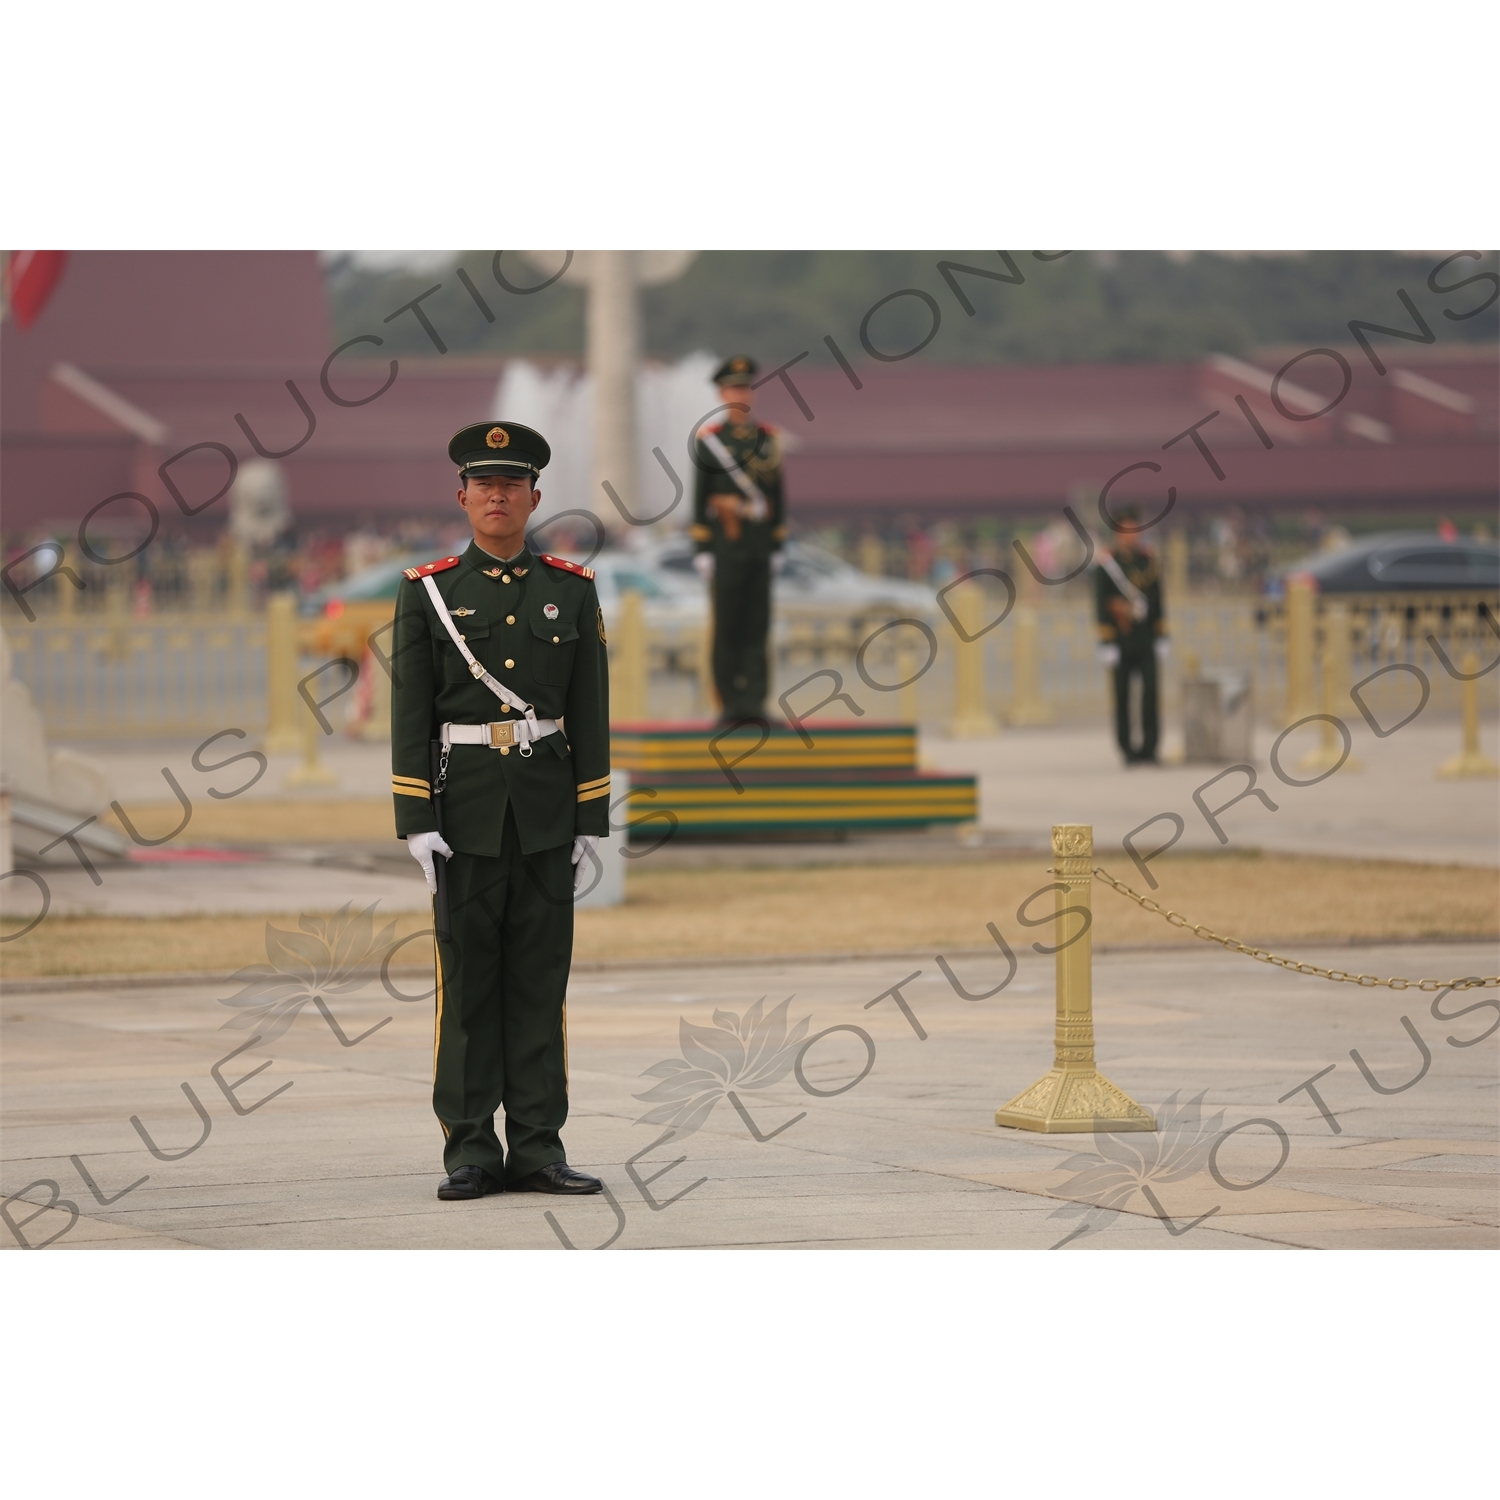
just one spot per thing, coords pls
(554, 643)
(474, 629)
(471, 627)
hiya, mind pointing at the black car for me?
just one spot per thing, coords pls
(1408, 561)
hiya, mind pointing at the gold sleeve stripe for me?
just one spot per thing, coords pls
(584, 786)
(411, 791)
(602, 791)
(699, 533)
(413, 781)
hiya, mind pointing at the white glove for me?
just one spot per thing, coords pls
(421, 847)
(1163, 648)
(585, 843)
(703, 565)
(1109, 654)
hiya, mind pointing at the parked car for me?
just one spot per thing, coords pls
(1407, 561)
(811, 575)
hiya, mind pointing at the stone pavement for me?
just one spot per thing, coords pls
(1395, 807)
(347, 1154)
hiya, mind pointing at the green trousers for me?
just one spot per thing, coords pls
(742, 622)
(501, 1027)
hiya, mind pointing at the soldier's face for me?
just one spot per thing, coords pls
(737, 396)
(498, 507)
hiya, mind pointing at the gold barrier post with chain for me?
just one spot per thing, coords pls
(1075, 1096)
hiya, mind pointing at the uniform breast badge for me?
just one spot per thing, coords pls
(550, 610)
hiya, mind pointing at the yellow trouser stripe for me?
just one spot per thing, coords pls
(437, 1025)
(602, 791)
(411, 791)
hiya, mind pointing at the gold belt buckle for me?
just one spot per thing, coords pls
(502, 734)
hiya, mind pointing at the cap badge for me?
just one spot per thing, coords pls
(550, 610)
(497, 437)
(739, 366)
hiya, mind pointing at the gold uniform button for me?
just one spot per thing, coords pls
(505, 749)
(510, 619)
(556, 639)
(505, 579)
(509, 663)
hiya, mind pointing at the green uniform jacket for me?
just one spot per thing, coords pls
(1143, 570)
(559, 665)
(757, 450)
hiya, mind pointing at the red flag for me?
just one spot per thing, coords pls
(31, 276)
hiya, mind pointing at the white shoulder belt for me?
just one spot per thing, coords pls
(496, 736)
(759, 508)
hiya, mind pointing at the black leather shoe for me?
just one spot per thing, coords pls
(468, 1182)
(556, 1177)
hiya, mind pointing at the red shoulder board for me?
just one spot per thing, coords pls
(566, 566)
(439, 566)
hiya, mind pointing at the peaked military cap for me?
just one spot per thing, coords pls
(499, 448)
(740, 370)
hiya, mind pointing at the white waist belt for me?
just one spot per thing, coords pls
(500, 736)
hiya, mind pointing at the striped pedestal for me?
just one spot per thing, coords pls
(770, 781)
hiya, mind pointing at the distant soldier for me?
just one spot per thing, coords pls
(1132, 633)
(738, 528)
(500, 774)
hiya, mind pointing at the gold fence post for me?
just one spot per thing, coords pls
(1299, 649)
(1471, 761)
(1027, 706)
(1337, 678)
(1177, 568)
(907, 672)
(237, 578)
(311, 772)
(708, 698)
(281, 675)
(972, 719)
(1074, 1097)
(872, 555)
(630, 685)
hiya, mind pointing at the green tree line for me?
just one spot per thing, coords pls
(1085, 306)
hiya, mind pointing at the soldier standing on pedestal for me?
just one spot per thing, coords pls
(1132, 632)
(500, 773)
(738, 528)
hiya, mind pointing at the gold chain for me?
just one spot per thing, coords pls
(1265, 956)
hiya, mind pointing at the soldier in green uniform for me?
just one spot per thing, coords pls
(738, 529)
(1132, 632)
(500, 707)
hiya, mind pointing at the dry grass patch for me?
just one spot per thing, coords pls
(846, 909)
(317, 820)
(1276, 899)
(168, 945)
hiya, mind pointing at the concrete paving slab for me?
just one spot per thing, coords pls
(908, 1156)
